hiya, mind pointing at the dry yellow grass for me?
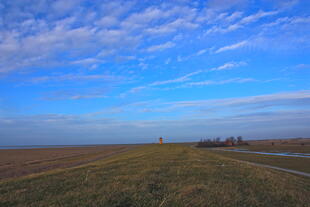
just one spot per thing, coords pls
(159, 175)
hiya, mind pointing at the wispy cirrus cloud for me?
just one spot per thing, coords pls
(75, 77)
(164, 82)
(188, 77)
(88, 61)
(80, 52)
(229, 27)
(232, 47)
(296, 98)
(28, 129)
(31, 42)
(201, 52)
(177, 80)
(255, 17)
(234, 107)
(221, 82)
(75, 94)
(173, 26)
(160, 47)
(302, 66)
(286, 22)
(229, 65)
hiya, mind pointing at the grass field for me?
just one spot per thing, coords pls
(293, 163)
(158, 175)
(18, 162)
(299, 143)
(278, 148)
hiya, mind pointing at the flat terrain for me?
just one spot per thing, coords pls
(18, 162)
(159, 175)
(296, 145)
(292, 163)
(278, 148)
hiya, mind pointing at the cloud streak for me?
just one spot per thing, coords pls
(232, 47)
(240, 24)
(29, 129)
(221, 82)
(76, 77)
(160, 47)
(177, 80)
(228, 66)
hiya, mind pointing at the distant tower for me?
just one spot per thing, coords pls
(160, 140)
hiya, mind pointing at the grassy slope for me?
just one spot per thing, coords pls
(159, 175)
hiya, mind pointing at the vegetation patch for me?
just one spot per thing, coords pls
(159, 175)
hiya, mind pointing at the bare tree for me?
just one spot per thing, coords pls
(233, 140)
(239, 140)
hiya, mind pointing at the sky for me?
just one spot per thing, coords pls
(104, 72)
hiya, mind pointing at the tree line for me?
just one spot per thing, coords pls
(216, 142)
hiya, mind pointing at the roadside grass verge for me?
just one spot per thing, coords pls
(159, 175)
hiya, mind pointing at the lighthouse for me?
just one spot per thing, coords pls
(160, 140)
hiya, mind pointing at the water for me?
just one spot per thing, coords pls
(286, 154)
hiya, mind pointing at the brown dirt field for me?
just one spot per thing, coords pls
(293, 141)
(20, 162)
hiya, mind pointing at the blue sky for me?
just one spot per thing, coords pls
(85, 72)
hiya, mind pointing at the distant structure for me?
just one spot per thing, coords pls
(160, 140)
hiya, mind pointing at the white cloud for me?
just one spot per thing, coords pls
(302, 66)
(234, 16)
(108, 21)
(255, 17)
(221, 82)
(201, 52)
(87, 61)
(160, 47)
(225, 4)
(75, 95)
(78, 97)
(173, 26)
(288, 98)
(187, 77)
(34, 42)
(228, 66)
(287, 22)
(232, 47)
(61, 7)
(75, 77)
(136, 89)
(164, 82)
(177, 80)
(240, 24)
